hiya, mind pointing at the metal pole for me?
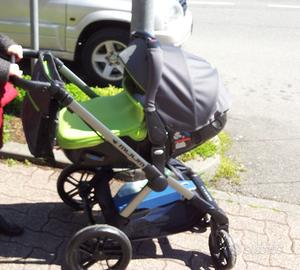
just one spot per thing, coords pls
(143, 16)
(34, 27)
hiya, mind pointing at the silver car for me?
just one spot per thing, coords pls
(92, 32)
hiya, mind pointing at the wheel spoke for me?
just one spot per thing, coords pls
(72, 181)
(111, 266)
(101, 58)
(89, 263)
(109, 46)
(85, 250)
(119, 68)
(73, 192)
(107, 70)
(85, 176)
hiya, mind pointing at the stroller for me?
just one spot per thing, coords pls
(172, 102)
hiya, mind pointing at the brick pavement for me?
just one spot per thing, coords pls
(266, 233)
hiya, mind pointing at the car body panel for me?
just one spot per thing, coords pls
(15, 22)
(75, 29)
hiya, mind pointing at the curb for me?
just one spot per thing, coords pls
(21, 152)
(205, 168)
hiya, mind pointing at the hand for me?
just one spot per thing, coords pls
(14, 70)
(16, 50)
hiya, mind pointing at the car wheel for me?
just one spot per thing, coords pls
(100, 56)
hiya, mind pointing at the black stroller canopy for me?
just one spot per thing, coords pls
(190, 91)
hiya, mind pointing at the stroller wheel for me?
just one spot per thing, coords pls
(98, 247)
(72, 180)
(222, 250)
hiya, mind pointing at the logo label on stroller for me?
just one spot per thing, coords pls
(129, 154)
(181, 139)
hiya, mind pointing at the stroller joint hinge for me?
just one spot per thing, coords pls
(157, 181)
(58, 92)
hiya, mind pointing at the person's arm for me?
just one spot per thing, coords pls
(4, 71)
(5, 42)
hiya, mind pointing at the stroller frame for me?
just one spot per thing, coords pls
(199, 199)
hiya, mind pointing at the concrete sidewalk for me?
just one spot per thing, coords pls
(266, 233)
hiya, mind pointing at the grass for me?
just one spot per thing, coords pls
(6, 127)
(205, 150)
(228, 169)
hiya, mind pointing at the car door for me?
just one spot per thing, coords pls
(15, 22)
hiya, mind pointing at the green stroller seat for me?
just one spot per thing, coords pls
(123, 115)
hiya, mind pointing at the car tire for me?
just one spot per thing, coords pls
(99, 56)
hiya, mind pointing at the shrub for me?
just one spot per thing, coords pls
(15, 107)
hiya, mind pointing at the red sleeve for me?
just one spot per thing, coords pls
(9, 93)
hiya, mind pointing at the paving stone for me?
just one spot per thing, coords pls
(55, 267)
(147, 264)
(261, 259)
(11, 251)
(63, 212)
(200, 261)
(37, 216)
(39, 259)
(32, 265)
(259, 213)
(14, 216)
(255, 243)
(255, 266)
(12, 266)
(17, 169)
(190, 241)
(240, 263)
(43, 195)
(13, 185)
(41, 177)
(61, 229)
(237, 237)
(41, 240)
(279, 239)
(296, 246)
(230, 207)
(247, 223)
(293, 221)
(288, 261)
(174, 264)
(60, 252)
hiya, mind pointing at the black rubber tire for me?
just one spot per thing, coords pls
(224, 255)
(108, 34)
(67, 177)
(84, 247)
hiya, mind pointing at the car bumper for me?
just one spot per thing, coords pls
(178, 31)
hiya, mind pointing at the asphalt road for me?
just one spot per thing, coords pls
(256, 47)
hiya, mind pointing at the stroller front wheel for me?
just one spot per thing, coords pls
(222, 250)
(98, 244)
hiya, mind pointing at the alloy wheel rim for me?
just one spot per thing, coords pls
(105, 60)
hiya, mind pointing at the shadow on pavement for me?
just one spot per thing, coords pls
(48, 228)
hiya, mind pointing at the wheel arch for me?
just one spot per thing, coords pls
(94, 27)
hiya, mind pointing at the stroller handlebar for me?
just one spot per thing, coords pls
(30, 53)
(29, 85)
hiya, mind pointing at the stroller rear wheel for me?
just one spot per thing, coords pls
(98, 246)
(222, 250)
(74, 180)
